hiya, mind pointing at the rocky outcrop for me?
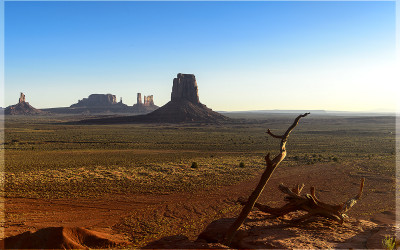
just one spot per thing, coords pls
(96, 100)
(183, 107)
(105, 104)
(263, 231)
(22, 108)
(144, 107)
(63, 238)
(148, 100)
(185, 88)
(21, 98)
(181, 111)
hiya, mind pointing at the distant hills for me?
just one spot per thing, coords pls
(314, 112)
(277, 111)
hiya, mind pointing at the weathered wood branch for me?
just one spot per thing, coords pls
(270, 167)
(275, 136)
(309, 203)
(348, 204)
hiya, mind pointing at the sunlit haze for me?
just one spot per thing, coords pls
(245, 55)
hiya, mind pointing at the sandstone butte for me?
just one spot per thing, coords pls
(22, 108)
(184, 106)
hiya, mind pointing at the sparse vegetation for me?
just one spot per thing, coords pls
(47, 159)
(194, 165)
(44, 158)
(389, 243)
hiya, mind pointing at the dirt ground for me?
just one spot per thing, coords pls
(115, 214)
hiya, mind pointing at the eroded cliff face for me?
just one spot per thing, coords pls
(185, 88)
(147, 100)
(97, 100)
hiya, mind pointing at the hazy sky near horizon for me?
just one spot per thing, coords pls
(245, 55)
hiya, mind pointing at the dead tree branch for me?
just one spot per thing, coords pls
(309, 203)
(271, 165)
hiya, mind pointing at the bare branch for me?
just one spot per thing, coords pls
(286, 135)
(287, 191)
(268, 160)
(275, 136)
(298, 188)
(311, 204)
(271, 165)
(296, 121)
(312, 193)
(348, 204)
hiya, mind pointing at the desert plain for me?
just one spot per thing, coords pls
(137, 183)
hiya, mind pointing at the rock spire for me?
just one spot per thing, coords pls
(21, 98)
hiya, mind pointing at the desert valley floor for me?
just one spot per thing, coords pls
(137, 183)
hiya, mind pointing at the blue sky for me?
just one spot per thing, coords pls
(245, 55)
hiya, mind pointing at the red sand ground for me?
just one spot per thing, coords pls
(334, 184)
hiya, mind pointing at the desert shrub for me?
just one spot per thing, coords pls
(335, 159)
(389, 243)
(241, 164)
(194, 165)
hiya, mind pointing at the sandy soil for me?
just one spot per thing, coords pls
(334, 184)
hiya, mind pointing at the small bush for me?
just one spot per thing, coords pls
(194, 165)
(335, 159)
(241, 165)
(389, 243)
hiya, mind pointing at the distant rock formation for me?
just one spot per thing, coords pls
(184, 106)
(21, 98)
(148, 100)
(96, 100)
(106, 104)
(185, 88)
(22, 108)
(144, 107)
